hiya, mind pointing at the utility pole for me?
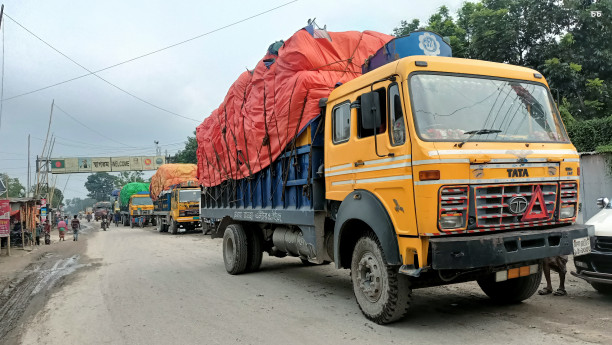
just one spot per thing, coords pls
(28, 190)
(46, 161)
(157, 148)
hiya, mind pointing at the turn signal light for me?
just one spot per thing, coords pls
(428, 175)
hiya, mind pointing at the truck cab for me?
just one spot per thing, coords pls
(140, 209)
(178, 207)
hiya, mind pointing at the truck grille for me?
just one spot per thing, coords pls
(603, 243)
(191, 212)
(493, 209)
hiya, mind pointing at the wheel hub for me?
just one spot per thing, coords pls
(369, 277)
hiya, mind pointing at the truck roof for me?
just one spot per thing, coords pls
(438, 64)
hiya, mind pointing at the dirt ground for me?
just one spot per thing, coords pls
(137, 286)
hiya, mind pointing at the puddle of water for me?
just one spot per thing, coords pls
(62, 268)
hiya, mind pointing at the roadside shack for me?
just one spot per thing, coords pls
(22, 218)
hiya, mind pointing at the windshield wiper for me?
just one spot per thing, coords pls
(477, 131)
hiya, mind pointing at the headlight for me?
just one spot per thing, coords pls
(451, 221)
(567, 212)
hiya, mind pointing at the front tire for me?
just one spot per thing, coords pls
(235, 253)
(383, 295)
(510, 291)
(173, 226)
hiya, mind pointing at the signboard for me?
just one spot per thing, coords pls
(5, 218)
(106, 164)
(43, 210)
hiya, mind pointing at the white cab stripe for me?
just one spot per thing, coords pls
(514, 160)
(337, 183)
(571, 159)
(385, 179)
(359, 170)
(374, 161)
(518, 153)
(441, 161)
(505, 180)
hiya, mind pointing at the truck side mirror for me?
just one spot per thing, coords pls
(602, 202)
(370, 111)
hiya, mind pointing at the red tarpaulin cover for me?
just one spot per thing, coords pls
(169, 175)
(265, 108)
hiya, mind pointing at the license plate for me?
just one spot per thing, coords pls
(582, 246)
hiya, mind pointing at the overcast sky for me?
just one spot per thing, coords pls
(190, 79)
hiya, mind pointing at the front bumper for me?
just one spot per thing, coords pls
(468, 252)
(598, 266)
(188, 219)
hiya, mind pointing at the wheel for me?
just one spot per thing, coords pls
(510, 291)
(254, 250)
(382, 293)
(160, 225)
(605, 289)
(235, 253)
(173, 226)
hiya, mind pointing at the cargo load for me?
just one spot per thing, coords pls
(267, 107)
(169, 175)
(130, 189)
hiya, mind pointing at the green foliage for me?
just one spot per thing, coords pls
(75, 205)
(558, 38)
(100, 185)
(126, 177)
(188, 154)
(14, 188)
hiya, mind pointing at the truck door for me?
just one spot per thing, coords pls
(339, 150)
(383, 161)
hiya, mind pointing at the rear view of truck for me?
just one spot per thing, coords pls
(426, 170)
(176, 195)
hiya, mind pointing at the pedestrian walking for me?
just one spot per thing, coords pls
(557, 264)
(76, 226)
(62, 226)
(39, 230)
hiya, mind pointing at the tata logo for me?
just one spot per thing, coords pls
(517, 172)
(518, 204)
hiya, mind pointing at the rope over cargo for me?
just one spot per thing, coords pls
(267, 107)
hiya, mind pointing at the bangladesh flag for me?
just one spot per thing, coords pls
(58, 164)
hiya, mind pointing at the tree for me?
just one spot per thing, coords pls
(126, 177)
(14, 188)
(75, 205)
(188, 154)
(100, 185)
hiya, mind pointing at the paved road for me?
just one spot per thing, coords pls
(136, 286)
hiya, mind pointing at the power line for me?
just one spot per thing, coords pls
(91, 129)
(155, 51)
(99, 77)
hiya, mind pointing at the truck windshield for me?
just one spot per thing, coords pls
(142, 201)
(453, 108)
(189, 195)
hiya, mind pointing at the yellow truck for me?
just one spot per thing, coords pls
(424, 171)
(138, 211)
(178, 207)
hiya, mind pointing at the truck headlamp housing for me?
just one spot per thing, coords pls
(567, 212)
(452, 221)
(453, 208)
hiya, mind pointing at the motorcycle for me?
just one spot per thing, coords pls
(104, 224)
(88, 218)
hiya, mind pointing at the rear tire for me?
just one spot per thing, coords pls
(605, 289)
(510, 291)
(383, 295)
(235, 252)
(254, 249)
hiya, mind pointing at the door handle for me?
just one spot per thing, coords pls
(359, 163)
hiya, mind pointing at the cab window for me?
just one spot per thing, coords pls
(397, 132)
(341, 123)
